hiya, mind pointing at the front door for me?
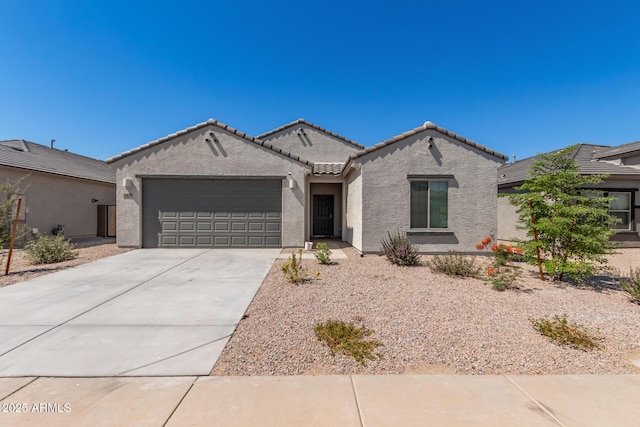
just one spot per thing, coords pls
(323, 215)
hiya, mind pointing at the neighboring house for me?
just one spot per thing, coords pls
(213, 186)
(621, 163)
(62, 188)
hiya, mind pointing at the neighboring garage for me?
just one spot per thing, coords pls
(211, 213)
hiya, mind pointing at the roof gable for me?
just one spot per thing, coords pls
(210, 122)
(30, 156)
(419, 129)
(272, 132)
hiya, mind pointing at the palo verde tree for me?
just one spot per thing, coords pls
(571, 219)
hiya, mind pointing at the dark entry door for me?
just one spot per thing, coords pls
(323, 215)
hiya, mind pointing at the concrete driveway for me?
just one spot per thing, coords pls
(153, 312)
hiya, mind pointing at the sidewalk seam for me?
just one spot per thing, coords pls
(98, 305)
(180, 402)
(18, 389)
(355, 396)
(541, 406)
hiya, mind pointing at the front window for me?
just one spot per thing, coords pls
(620, 207)
(429, 204)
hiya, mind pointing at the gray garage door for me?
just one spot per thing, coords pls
(211, 213)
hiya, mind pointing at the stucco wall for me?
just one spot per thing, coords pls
(314, 145)
(191, 155)
(352, 215)
(472, 192)
(52, 199)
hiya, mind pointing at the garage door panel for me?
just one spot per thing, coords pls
(238, 240)
(205, 226)
(212, 213)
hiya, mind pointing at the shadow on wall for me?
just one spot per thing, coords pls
(434, 238)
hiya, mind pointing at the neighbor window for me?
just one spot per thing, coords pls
(429, 204)
(620, 207)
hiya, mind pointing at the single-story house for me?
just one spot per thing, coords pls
(62, 188)
(621, 163)
(211, 185)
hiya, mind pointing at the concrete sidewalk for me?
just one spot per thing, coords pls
(409, 400)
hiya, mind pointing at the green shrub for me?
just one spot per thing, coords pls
(454, 264)
(323, 253)
(293, 269)
(631, 284)
(50, 250)
(565, 333)
(347, 339)
(399, 250)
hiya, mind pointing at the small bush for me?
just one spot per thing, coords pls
(631, 284)
(323, 253)
(565, 333)
(347, 339)
(454, 264)
(399, 250)
(293, 269)
(504, 277)
(50, 250)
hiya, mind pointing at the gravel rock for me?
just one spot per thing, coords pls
(431, 323)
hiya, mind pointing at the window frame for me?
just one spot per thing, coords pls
(631, 192)
(429, 179)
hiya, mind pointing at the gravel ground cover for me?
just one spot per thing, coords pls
(89, 250)
(431, 323)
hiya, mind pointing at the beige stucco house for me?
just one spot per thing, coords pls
(622, 165)
(211, 185)
(62, 188)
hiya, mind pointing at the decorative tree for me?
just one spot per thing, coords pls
(571, 219)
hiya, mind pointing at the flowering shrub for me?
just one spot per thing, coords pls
(501, 273)
(399, 250)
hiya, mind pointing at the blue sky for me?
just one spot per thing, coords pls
(521, 78)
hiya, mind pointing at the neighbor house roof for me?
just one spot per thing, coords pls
(210, 122)
(30, 156)
(266, 135)
(414, 131)
(618, 151)
(585, 155)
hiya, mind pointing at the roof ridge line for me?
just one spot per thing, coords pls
(313, 125)
(209, 122)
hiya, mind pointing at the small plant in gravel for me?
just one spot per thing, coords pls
(50, 250)
(323, 253)
(347, 339)
(399, 250)
(631, 284)
(454, 264)
(293, 269)
(562, 332)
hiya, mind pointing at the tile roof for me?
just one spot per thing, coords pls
(210, 122)
(414, 131)
(27, 155)
(266, 135)
(585, 156)
(618, 151)
(327, 168)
